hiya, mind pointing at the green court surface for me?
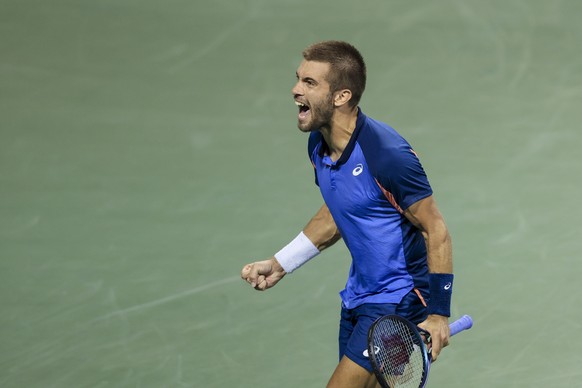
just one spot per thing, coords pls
(149, 149)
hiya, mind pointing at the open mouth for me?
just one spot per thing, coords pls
(304, 110)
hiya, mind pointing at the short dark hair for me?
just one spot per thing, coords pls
(347, 71)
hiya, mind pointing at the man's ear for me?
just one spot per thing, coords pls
(341, 97)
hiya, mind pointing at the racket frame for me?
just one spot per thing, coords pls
(463, 323)
(417, 339)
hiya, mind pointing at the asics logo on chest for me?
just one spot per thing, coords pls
(358, 170)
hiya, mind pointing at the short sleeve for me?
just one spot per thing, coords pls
(400, 173)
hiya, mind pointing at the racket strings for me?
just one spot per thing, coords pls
(399, 356)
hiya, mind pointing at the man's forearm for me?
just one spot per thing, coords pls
(439, 250)
(322, 230)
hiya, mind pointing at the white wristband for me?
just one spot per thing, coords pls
(296, 253)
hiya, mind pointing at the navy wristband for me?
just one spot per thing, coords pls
(440, 286)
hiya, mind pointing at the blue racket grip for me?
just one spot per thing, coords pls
(463, 323)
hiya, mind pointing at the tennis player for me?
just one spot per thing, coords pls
(377, 198)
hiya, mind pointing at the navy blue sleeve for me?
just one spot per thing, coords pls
(400, 173)
(395, 166)
(314, 140)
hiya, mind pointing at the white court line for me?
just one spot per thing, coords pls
(168, 299)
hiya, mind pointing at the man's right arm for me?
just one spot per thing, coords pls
(321, 232)
(321, 229)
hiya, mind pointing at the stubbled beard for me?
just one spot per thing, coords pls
(321, 115)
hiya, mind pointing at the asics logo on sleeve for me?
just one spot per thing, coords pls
(448, 286)
(358, 170)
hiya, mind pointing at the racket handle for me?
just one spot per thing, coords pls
(463, 323)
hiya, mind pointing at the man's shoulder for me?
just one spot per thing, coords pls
(378, 139)
(380, 128)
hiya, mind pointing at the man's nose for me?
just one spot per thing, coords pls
(296, 90)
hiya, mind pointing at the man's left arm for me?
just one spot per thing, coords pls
(426, 216)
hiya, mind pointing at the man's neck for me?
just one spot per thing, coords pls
(338, 134)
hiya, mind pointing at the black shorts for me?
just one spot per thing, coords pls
(355, 323)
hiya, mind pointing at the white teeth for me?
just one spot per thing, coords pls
(299, 103)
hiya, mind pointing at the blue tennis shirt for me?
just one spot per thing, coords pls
(377, 177)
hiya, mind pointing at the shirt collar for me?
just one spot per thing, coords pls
(351, 144)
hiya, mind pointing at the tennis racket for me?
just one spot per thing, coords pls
(400, 351)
